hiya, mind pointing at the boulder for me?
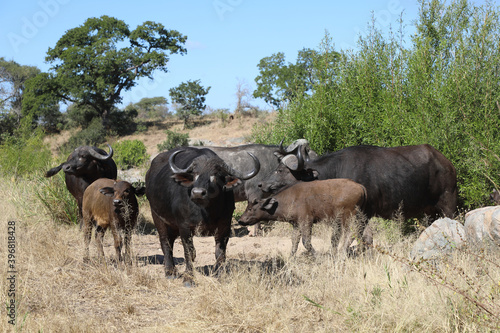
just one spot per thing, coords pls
(482, 227)
(441, 237)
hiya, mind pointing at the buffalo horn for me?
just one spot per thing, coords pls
(175, 168)
(238, 174)
(101, 157)
(300, 160)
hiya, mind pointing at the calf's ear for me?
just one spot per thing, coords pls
(185, 179)
(109, 191)
(269, 204)
(231, 182)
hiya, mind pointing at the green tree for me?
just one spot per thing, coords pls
(190, 99)
(279, 83)
(93, 63)
(151, 107)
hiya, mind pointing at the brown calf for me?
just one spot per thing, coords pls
(306, 203)
(110, 203)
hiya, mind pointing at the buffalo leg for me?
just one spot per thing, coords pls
(295, 239)
(167, 237)
(221, 240)
(99, 236)
(127, 240)
(87, 236)
(117, 241)
(306, 231)
(189, 253)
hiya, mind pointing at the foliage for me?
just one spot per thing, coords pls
(23, 153)
(55, 198)
(151, 108)
(93, 63)
(440, 89)
(280, 83)
(93, 135)
(190, 98)
(174, 139)
(130, 153)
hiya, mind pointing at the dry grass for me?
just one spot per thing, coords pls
(265, 292)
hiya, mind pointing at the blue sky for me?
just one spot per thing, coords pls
(226, 38)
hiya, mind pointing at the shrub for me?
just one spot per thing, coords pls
(174, 139)
(389, 93)
(23, 153)
(93, 135)
(130, 153)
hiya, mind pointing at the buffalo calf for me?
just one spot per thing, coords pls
(110, 203)
(305, 203)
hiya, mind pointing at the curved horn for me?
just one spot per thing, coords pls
(249, 175)
(281, 149)
(175, 168)
(300, 160)
(101, 157)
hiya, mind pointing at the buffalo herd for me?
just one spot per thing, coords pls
(194, 190)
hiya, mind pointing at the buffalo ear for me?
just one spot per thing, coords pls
(269, 204)
(109, 191)
(231, 182)
(291, 162)
(185, 179)
(139, 191)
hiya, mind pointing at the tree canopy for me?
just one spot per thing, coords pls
(94, 63)
(190, 98)
(278, 83)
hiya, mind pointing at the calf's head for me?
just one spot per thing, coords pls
(122, 193)
(206, 176)
(259, 210)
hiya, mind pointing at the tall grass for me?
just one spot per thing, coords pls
(440, 87)
(375, 292)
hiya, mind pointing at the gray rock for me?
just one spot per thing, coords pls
(441, 237)
(482, 226)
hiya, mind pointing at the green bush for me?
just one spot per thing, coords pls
(93, 135)
(56, 199)
(130, 153)
(174, 139)
(23, 154)
(441, 88)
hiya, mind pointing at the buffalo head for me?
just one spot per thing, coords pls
(122, 193)
(259, 210)
(291, 169)
(84, 160)
(207, 175)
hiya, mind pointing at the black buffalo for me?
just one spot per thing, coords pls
(419, 178)
(190, 190)
(237, 158)
(84, 166)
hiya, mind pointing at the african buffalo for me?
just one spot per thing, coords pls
(110, 203)
(83, 166)
(237, 158)
(419, 177)
(190, 190)
(305, 203)
(495, 197)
